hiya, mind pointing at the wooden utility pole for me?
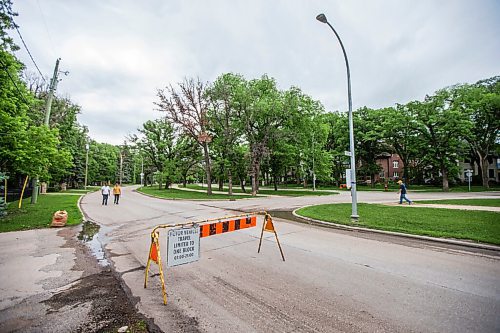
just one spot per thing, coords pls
(52, 88)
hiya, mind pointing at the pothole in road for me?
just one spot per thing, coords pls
(92, 237)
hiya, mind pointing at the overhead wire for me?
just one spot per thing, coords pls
(46, 28)
(24, 43)
(6, 69)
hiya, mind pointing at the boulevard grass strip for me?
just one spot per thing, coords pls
(267, 191)
(39, 215)
(464, 202)
(187, 195)
(476, 226)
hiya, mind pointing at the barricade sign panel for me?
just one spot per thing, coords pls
(183, 246)
(221, 227)
(183, 240)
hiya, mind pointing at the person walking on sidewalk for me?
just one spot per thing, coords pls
(105, 191)
(117, 190)
(402, 193)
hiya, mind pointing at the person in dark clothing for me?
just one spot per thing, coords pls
(402, 193)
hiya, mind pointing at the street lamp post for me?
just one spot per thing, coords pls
(142, 172)
(87, 147)
(354, 214)
(313, 173)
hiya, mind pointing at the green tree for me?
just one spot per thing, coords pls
(6, 23)
(480, 104)
(157, 146)
(260, 108)
(224, 123)
(399, 128)
(103, 166)
(369, 140)
(188, 157)
(15, 101)
(442, 130)
(337, 143)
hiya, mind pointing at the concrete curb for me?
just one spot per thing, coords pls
(85, 218)
(399, 234)
(78, 204)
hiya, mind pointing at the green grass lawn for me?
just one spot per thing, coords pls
(295, 193)
(466, 202)
(471, 225)
(268, 191)
(182, 194)
(40, 214)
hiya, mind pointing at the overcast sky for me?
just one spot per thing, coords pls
(120, 52)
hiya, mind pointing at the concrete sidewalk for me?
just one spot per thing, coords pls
(35, 265)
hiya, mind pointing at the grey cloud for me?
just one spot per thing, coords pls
(120, 52)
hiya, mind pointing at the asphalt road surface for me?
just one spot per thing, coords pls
(331, 281)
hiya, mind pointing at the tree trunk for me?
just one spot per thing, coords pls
(275, 182)
(255, 172)
(221, 184)
(207, 168)
(159, 181)
(242, 184)
(483, 164)
(446, 186)
(230, 182)
(254, 183)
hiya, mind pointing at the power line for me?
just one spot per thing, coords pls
(14, 82)
(46, 28)
(24, 43)
(22, 39)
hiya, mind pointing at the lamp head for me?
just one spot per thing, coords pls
(322, 18)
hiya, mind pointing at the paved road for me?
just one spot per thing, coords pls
(332, 281)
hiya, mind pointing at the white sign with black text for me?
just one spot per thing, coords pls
(183, 246)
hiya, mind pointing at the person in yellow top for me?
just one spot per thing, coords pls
(117, 190)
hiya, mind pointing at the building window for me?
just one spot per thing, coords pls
(395, 164)
(395, 174)
(491, 173)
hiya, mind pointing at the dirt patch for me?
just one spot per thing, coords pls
(109, 306)
(96, 302)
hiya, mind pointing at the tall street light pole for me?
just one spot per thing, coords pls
(314, 174)
(354, 214)
(87, 147)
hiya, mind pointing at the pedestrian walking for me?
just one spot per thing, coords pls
(402, 193)
(105, 191)
(117, 190)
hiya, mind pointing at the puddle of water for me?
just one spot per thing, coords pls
(91, 236)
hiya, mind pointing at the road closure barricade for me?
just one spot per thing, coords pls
(183, 239)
